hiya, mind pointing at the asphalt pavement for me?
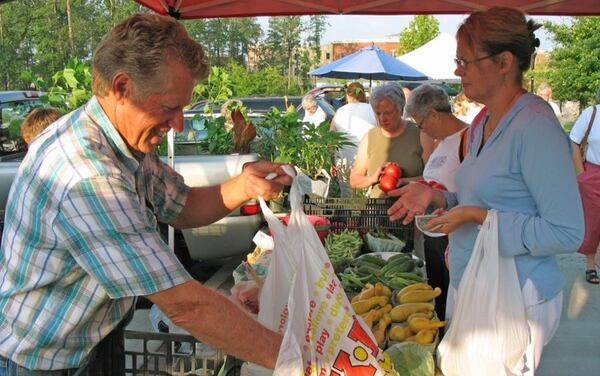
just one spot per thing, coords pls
(575, 349)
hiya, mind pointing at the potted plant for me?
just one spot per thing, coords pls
(282, 137)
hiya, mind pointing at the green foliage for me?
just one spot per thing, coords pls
(218, 86)
(219, 141)
(574, 68)
(35, 35)
(266, 81)
(420, 30)
(70, 88)
(283, 42)
(225, 39)
(282, 137)
(316, 29)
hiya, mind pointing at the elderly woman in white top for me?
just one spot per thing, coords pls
(312, 112)
(430, 107)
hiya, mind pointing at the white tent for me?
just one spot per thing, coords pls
(435, 58)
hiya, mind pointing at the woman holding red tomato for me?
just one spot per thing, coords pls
(393, 141)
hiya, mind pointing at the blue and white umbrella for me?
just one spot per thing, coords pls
(370, 63)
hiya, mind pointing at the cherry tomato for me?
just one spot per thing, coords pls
(392, 169)
(387, 183)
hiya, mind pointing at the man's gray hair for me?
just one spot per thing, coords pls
(392, 92)
(140, 46)
(309, 101)
(425, 98)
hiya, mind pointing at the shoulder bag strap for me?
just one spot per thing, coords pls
(463, 148)
(583, 145)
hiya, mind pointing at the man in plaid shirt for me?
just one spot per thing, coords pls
(81, 241)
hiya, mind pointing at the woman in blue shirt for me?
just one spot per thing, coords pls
(518, 163)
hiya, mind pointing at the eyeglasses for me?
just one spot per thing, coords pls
(462, 63)
(420, 123)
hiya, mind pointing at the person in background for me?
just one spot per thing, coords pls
(588, 178)
(545, 92)
(465, 109)
(312, 112)
(88, 196)
(355, 119)
(519, 163)
(393, 140)
(431, 109)
(37, 120)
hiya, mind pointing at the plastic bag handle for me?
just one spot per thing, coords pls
(295, 198)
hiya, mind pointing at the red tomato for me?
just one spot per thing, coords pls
(388, 183)
(392, 169)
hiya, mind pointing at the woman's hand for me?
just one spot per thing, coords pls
(449, 221)
(413, 199)
(374, 178)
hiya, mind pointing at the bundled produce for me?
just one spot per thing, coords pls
(381, 241)
(411, 359)
(342, 247)
(397, 272)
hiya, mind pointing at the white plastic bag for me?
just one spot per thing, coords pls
(303, 299)
(488, 333)
(319, 187)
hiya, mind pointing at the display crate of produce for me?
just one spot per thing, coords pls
(360, 213)
(169, 354)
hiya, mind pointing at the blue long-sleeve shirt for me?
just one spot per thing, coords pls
(525, 172)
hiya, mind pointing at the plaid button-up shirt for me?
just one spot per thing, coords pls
(80, 240)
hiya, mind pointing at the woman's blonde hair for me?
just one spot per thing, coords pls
(501, 29)
(140, 46)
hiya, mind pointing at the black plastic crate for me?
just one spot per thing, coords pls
(166, 354)
(361, 214)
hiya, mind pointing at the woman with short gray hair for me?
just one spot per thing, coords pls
(430, 107)
(393, 140)
(312, 112)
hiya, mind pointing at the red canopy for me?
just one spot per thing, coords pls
(189, 9)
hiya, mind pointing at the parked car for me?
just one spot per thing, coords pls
(260, 106)
(14, 106)
(334, 94)
(257, 107)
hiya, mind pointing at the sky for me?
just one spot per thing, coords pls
(346, 27)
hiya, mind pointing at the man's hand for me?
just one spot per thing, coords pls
(255, 183)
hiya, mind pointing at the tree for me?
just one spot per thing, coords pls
(574, 67)
(42, 36)
(316, 28)
(420, 30)
(283, 40)
(225, 39)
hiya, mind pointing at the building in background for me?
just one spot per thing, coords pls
(338, 49)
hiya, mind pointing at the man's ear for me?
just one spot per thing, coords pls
(122, 86)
